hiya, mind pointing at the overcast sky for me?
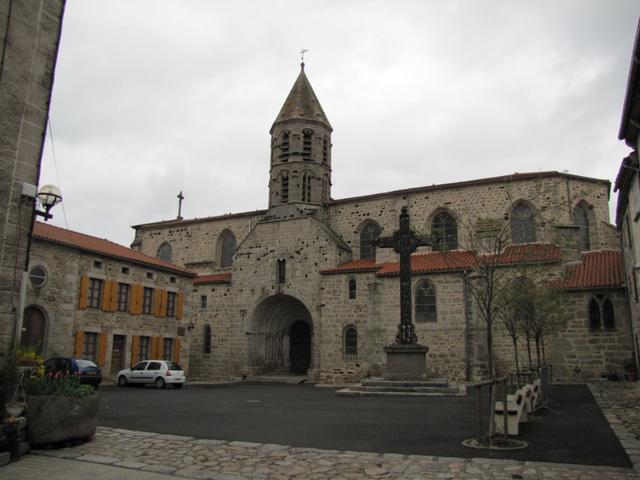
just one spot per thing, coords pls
(152, 97)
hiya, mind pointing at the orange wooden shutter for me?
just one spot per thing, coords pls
(175, 355)
(179, 306)
(155, 310)
(132, 298)
(114, 296)
(163, 303)
(102, 349)
(139, 295)
(135, 350)
(84, 292)
(155, 347)
(106, 295)
(77, 346)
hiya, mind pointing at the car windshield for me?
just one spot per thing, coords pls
(173, 366)
(85, 363)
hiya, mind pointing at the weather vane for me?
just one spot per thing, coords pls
(302, 52)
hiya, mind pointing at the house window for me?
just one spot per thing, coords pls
(203, 301)
(306, 145)
(165, 252)
(444, 231)
(581, 219)
(90, 346)
(143, 353)
(171, 304)
(95, 292)
(284, 147)
(306, 187)
(282, 271)
(206, 340)
(284, 193)
(227, 249)
(167, 349)
(523, 229)
(368, 236)
(601, 313)
(352, 288)
(350, 344)
(123, 297)
(426, 302)
(147, 300)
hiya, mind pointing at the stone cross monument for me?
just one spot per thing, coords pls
(406, 358)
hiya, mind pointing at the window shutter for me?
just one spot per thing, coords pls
(163, 303)
(156, 303)
(133, 295)
(139, 295)
(135, 350)
(84, 291)
(114, 296)
(155, 347)
(77, 346)
(102, 348)
(179, 306)
(106, 296)
(175, 355)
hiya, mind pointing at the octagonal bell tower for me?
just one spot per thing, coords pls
(300, 171)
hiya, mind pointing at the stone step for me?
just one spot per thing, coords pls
(293, 379)
(448, 392)
(443, 390)
(380, 382)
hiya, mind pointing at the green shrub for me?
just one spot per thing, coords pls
(8, 382)
(57, 385)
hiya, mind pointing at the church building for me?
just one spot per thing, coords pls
(301, 288)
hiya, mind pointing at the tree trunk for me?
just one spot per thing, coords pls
(490, 366)
(529, 351)
(517, 362)
(538, 350)
(544, 353)
(492, 412)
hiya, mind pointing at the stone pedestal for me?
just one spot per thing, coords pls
(406, 362)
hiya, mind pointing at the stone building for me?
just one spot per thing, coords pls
(95, 299)
(29, 36)
(301, 288)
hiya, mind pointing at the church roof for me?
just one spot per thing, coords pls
(101, 246)
(212, 279)
(599, 269)
(302, 103)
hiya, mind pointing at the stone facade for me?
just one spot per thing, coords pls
(286, 296)
(62, 320)
(29, 36)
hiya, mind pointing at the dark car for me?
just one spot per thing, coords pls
(89, 372)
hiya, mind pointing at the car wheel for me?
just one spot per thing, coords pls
(122, 381)
(177, 386)
(160, 382)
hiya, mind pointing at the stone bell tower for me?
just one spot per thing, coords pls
(300, 171)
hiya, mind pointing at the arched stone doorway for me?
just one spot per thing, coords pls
(281, 337)
(34, 328)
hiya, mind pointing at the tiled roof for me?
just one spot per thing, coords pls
(600, 269)
(212, 279)
(454, 260)
(101, 246)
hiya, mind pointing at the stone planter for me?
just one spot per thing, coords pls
(52, 419)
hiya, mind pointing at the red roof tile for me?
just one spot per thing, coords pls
(529, 253)
(432, 262)
(101, 246)
(601, 269)
(361, 265)
(210, 279)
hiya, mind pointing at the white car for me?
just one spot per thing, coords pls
(158, 372)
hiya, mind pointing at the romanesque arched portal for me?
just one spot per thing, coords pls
(280, 339)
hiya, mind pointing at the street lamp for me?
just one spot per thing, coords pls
(48, 196)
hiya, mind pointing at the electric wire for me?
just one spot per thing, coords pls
(55, 166)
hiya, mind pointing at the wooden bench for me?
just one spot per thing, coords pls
(516, 411)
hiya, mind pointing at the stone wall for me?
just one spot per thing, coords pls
(29, 40)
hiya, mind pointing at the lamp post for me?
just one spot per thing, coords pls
(48, 196)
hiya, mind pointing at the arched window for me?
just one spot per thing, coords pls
(325, 150)
(284, 147)
(523, 228)
(306, 187)
(227, 248)
(284, 188)
(352, 288)
(350, 347)
(444, 231)
(165, 252)
(601, 313)
(426, 302)
(581, 219)
(368, 235)
(206, 339)
(306, 145)
(281, 266)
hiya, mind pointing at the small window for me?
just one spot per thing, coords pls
(150, 275)
(425, 302)
(165, 252)
(206, 343)
(306, 145)
(284, 147)
(352, 288)
(90, 346)
(95, 292)
(172, 279)
(594, 315)
(147, 300)
(282, 271)
(143, 353)
(350, 344)
(97, 264)
(171, 304)
(368, 237)
(125, 270)
(123, 297)
(601, 314)
(203, 301)
(38, 276)
(168, 349)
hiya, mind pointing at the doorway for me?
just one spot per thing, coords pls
(34, 326)
(117, 353)
(300, 347)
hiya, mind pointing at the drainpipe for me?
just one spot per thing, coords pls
(465, 301)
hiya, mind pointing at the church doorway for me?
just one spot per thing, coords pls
(299, 347)
(281, 337)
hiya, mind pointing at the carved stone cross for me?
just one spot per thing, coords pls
(404, 241)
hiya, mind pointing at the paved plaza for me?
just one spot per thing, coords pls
(119, 453)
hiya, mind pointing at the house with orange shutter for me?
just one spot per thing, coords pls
(92, 298)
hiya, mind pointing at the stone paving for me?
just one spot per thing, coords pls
(189, 457)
